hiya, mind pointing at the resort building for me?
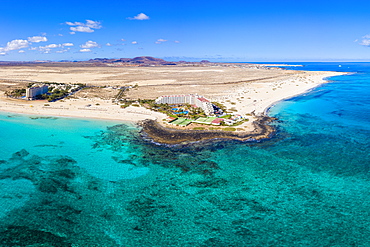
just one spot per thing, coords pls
(192, 99)
(32, 92)
(205, 105)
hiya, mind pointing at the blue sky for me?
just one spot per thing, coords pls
(186, 30)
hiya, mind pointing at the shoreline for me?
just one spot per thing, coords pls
(255, 98)
(159, 134)
(259, 97)
(324, 79)
(105, 112)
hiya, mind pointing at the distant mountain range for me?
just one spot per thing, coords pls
(145, 61)
(136, 61)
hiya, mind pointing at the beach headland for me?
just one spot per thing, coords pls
(164, 135)
(244, 89)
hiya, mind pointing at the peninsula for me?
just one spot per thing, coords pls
(120, 89)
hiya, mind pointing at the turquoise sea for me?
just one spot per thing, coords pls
(78, 182)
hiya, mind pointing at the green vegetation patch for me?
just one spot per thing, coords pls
(228, 116)
(181, 122)
(186, 122)
(210, 119)
(205, 120)
(201, 119)
(55, 92)
(241, 122)
(178, 121)
(229, 129)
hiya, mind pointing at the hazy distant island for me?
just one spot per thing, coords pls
(174, 102)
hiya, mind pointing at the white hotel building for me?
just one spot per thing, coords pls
(36, 90)
(191, 99)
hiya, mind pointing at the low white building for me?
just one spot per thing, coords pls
(192, 99)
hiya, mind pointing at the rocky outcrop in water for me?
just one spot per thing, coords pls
(160, 134)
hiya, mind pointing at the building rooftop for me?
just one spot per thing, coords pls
(218, 120)
(170, 119)
(203, 99)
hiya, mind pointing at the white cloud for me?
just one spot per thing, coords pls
(52, 46)
(74, 23)
(365, 42)
(15, 45)
(21, 51)
(85, 50)
(33, 48)
(139, 17)
(47, 48)
(89, 44)
(93, 24)
(37, 39)
(68, 44)
(134, 42)
(159, 41)
(123, 40)
(82, 29)
(43, 49)
(108, 44)
(177, 42)
(87, 27)
(62, 51)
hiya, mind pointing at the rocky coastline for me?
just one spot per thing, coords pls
(157, 133)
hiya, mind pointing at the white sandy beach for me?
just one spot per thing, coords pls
(249, 98)
(80, 108)
(258, 97)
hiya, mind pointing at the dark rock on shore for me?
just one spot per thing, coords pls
(160, 134)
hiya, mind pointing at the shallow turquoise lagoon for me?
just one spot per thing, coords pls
(75, 182)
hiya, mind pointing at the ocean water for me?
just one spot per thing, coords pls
(78, 182)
